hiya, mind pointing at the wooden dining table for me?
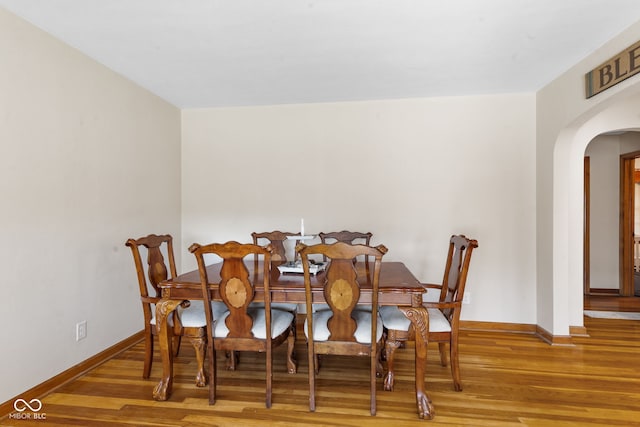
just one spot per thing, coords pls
(397, 286)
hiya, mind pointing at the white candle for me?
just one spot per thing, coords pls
(302, 226)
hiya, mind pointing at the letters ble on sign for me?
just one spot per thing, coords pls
(620, 67)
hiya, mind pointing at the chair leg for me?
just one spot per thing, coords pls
(177, 334)
(389, 348)
(313, 358)
(199, 347)
(455, 366)
(269, 375)
(148, 354)
(177, 339)
(292, 365)
(233, 358)
(294, 333)
(442, 347)
(212, 371)
(375, 360)
(379, 367)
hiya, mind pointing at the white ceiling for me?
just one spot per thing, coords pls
(212, 53)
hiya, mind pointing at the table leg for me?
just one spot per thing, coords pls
(164, 332)
(419, 317)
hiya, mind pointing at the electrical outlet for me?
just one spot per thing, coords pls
(467, 298)
(81, 330)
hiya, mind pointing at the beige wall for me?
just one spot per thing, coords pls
(604, 152)
(87, 159)
(566, 123)
(77, 141)
(412, 172)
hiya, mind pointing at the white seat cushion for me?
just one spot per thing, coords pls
(320, 307)
(393, 318)
(194, 316)
(284, 306)
(280, 321)
(363, 326)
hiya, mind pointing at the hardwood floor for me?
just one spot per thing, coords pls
(611, 303)
(509, 380)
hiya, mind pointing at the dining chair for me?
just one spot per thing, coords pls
(187, 321)
(444, 313)
(343, 329)
(278, 256)
(242, 327)
(276, 239)
(346, 237)
(351, 237)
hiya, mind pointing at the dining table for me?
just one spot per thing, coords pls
(397, 286)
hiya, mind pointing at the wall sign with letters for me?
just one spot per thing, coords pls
(619, 68)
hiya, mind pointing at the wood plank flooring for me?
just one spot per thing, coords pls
(611, 303)
(509, 380)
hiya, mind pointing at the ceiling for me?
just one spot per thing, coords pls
(220, 53)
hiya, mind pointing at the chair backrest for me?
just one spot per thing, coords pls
(345, 236)
(156, 267)
(342, 284)
(236, 287)
(276, 239)
(456, 270)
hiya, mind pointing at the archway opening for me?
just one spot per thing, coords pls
(617, 114)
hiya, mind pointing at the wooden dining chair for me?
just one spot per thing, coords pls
(345, 236)
(343, 329)
(276, 239)
(278, 256)
(444, 313)
(242, 327)
(351, 237)
(189, 321)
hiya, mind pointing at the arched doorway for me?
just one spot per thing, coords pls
(612, 216)
(621, 112)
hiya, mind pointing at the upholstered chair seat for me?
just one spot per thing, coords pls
(284, 306)
(363, 326)
(280, 322)
(393, 318)
(194, 315)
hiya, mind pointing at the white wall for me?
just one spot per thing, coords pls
(636, 209)
(87, 159)
(604, 154)
(566, 123)
(77, 144)
(412, 172)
